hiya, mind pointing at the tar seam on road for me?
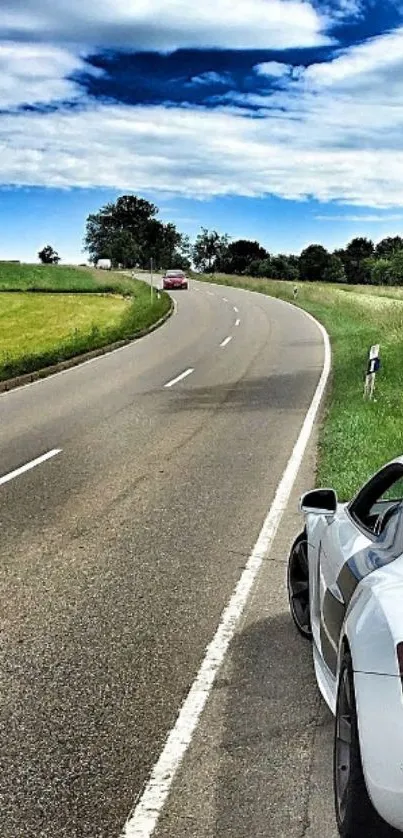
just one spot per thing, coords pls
(142, 821)
(226, 341)
(28, 466)
(179, 377)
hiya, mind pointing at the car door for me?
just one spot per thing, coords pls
(342, 539)
(351, 547)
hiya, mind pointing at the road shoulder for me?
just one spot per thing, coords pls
(260, 761)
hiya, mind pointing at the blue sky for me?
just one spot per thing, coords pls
(277, 120)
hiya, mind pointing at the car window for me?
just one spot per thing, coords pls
(395, 492)
(381, 491)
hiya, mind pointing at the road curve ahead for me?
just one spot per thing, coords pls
(132, 491)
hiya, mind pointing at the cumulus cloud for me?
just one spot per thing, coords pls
(211, 78)
(167, 25)
(273, 69)
(33, 74)
(327, 131)
(194, 153)
(366, 219)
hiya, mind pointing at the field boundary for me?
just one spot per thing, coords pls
(44, 372)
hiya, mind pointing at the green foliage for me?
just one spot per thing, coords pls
(208, 250)
(49, 256)
(354, 260)
(129, 234)
(334, 270)
(313, 263)
(389, 246)
(239, 255)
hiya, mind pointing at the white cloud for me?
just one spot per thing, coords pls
(193, 153)
(272, 69)
(166, 25)
(333, 132)
(33, 74)
(366, 219)
(211, 78)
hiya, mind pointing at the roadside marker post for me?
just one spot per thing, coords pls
(373, 366)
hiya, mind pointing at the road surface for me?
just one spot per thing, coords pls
(118, 555)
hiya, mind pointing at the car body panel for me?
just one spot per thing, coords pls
(174, 279)
(355, 560)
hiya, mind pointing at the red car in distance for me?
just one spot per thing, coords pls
(174, 279)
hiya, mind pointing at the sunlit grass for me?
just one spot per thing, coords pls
(357, 436)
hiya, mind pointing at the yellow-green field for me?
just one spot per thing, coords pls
(31, 323)
(42, 322)
(357, 436)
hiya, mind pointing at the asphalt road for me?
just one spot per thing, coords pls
(118, 555)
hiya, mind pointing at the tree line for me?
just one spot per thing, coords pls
(129, 233)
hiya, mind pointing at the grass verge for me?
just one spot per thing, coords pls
(356, 436)
(41, 329)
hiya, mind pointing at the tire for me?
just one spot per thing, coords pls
(355, 815)
(298, 586)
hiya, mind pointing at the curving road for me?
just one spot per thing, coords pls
(120, 551)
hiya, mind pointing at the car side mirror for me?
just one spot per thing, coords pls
(319, 502)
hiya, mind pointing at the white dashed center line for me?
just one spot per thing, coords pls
(210, 293)
(226, 341)
(225, 299)
(179, 377)
(16, 473)
(237, 322)
(236, 309)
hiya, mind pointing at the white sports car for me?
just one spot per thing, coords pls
(345, 586)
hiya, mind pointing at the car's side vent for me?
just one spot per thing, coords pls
(399, 652)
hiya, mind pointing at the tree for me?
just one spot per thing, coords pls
(312, 263)
(128, 233)
(387, 247)
(354, 256)
(49, 256)
(208, 249)
(284, 267)
(334, 270)
(239, 255)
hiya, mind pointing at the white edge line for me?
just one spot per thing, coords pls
(143, 820)
(237, 322)
(226, 341)
(28, 466)
(179, 377)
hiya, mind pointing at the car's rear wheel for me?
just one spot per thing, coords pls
(298, 585)
(355, 814)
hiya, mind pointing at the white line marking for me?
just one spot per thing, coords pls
(237, 322)
(226, 341)
(179, 377)
(236, 309)
(210, 293)
(28, 466)
(143, 820)
(225, 299)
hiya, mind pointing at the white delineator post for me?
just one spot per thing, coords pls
(372, 368)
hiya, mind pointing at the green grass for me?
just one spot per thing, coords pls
(57, 278)
(40, 329)
(357, 436)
